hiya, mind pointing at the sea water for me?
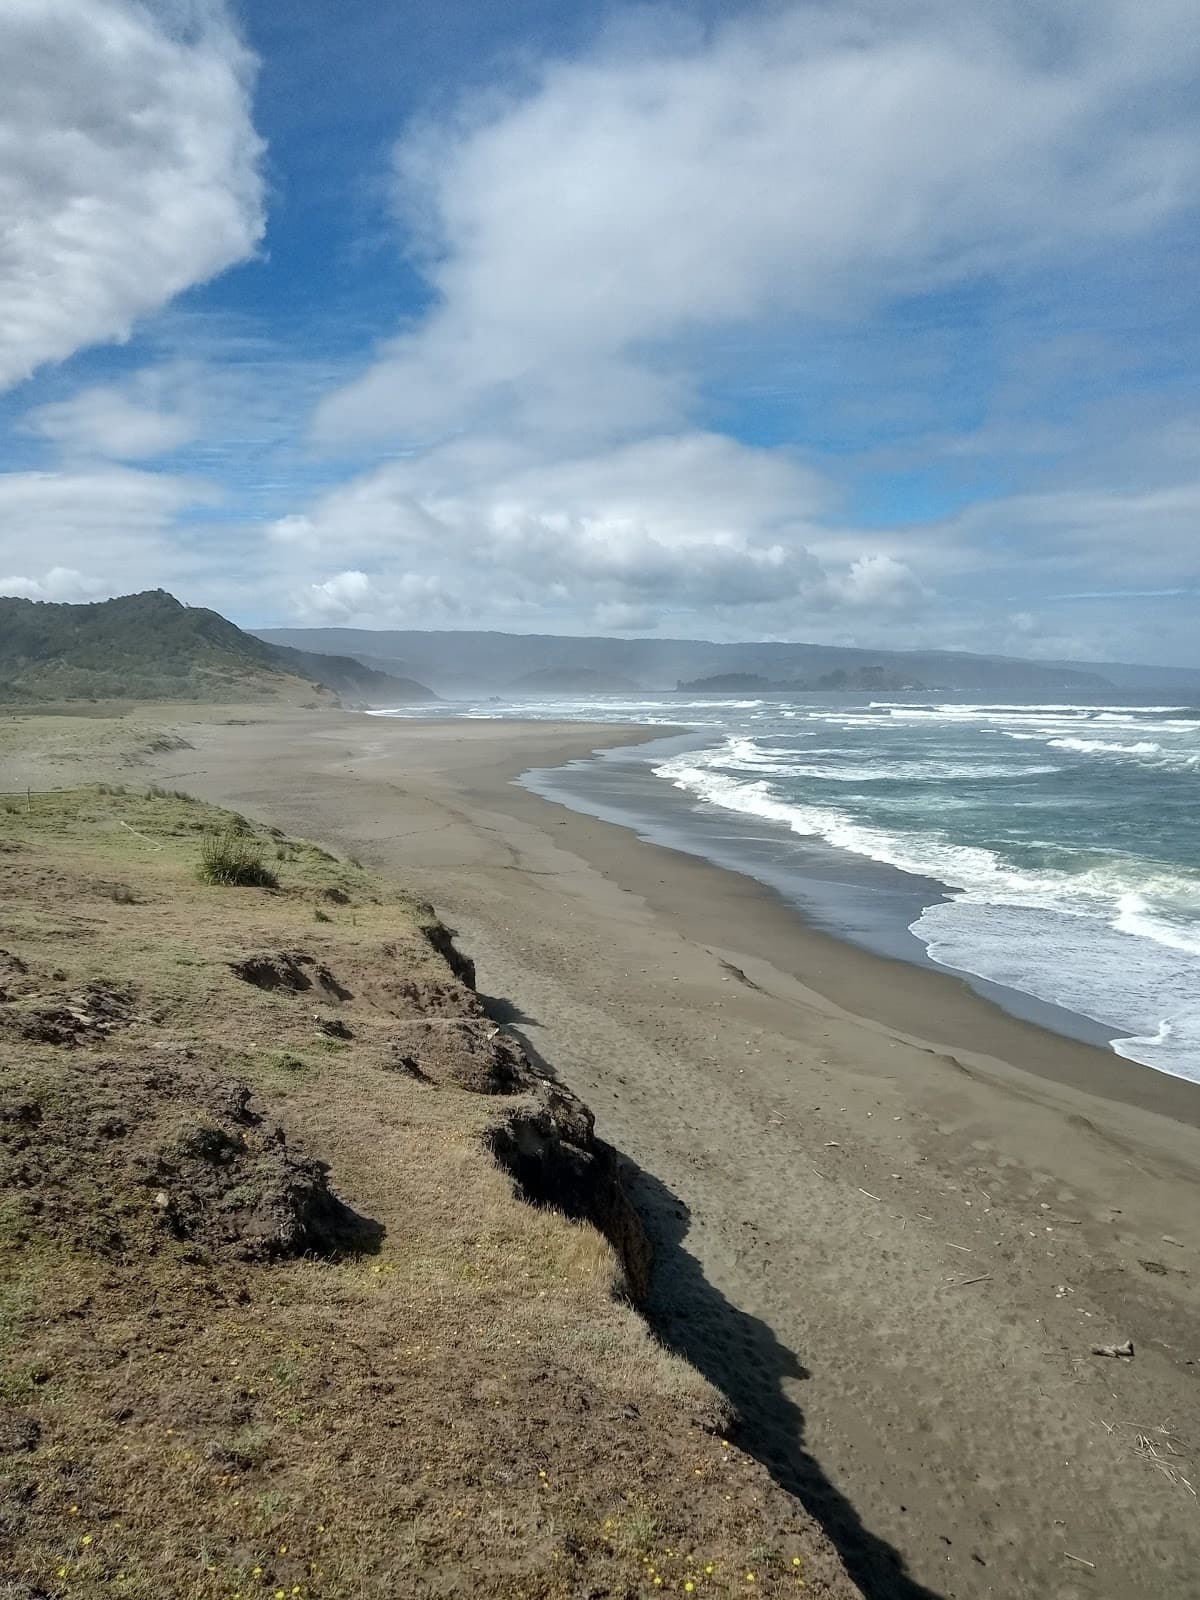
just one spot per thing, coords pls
(1051, 849)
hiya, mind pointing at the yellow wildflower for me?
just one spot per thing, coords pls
(86, 1540)
(796, 1561)
(72, 1511)
(283, 1549)
(689, 1587)
(749, 1577)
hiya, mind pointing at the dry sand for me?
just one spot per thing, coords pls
(892, 1222)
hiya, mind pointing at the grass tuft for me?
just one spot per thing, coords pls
(231, 860)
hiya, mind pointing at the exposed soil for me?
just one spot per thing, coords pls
(295, 971)
(467, 1052)
(123, 1154)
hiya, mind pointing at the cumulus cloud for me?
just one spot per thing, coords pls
(879, 580)
(338, 599)
(353, 597)
(806, 161)
(129, 167)
(693, 523)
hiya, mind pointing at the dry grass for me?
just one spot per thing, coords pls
(465, 1405)
(1160, 1448)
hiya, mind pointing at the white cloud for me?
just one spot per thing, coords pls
(879, 580)
(129, 167)
(338, 599)
(352, 596)
(695, 523)
(114, 521)
(595, 237)
(106, 421)
(60, 584)
(807, 161)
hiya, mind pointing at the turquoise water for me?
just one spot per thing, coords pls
(1064, 836)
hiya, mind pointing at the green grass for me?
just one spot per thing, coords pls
(231, 860)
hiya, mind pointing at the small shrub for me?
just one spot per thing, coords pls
(230, 859)
(122, 894)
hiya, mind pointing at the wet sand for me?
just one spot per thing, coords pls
(892, 1220)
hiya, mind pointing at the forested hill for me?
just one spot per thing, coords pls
(151, 647)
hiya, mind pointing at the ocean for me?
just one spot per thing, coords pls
(1048, 853)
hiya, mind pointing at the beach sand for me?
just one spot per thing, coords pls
(891, 1221)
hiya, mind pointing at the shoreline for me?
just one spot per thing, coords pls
(940, 1006)
(893, 1222)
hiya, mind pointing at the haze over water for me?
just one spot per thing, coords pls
(1064, 835)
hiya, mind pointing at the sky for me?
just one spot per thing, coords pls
(859, 323)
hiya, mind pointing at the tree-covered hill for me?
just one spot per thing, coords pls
(151, 647)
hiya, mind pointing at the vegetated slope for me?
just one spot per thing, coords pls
(150, 646)
(312, 1283)
(473, 662)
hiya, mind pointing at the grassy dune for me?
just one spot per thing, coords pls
(276, 1319)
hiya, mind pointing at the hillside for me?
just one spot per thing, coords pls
(151, 647)
(473, 663)
(315, 1284)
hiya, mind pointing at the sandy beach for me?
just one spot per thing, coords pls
(891, 1221)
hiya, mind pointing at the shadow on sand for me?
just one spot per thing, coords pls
(743, 1358)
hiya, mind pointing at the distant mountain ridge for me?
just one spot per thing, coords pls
(150, 646)
(474, 663)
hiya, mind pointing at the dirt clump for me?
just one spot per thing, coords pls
(246, 1193)
(72, 1019)
(294, 971)
(555, 1160)
(398, 992)
(130, 1156)
(465, 1052)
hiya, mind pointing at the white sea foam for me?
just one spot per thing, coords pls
(1104, 747)
(1117, 940)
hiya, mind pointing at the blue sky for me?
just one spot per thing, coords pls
(867, 324)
